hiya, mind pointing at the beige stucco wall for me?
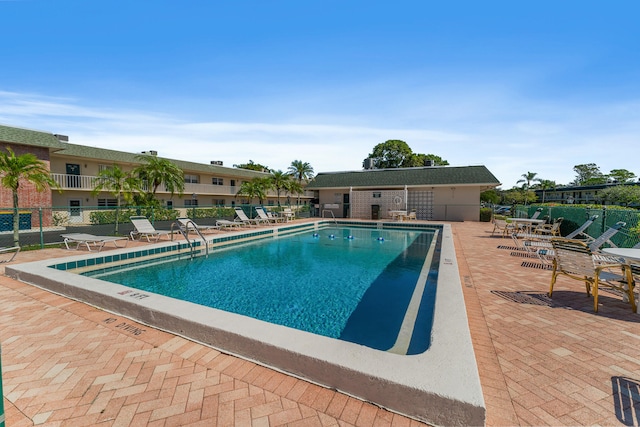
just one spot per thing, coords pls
(450, 203)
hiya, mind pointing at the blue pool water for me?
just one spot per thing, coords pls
(353, 284)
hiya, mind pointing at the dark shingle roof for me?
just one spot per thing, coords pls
(28, 137)
(434, 175)
(121, 157)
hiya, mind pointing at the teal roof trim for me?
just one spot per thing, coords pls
(434, 175)
(34, 138)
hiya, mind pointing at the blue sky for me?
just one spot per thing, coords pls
(516, 86)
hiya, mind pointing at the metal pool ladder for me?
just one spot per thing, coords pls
(185, 232)
(331, 212)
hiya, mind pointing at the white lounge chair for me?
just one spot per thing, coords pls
(188, 224)
(248, 221)
(225, 223)
(144, 228)
(264, 216)
(90, 240)
(11, 253)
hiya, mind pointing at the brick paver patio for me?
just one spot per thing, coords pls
(541, 361)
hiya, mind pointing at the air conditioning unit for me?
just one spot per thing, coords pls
(216, 162)
(368, 163)
(429, 162)
(61, 138)
(150, 152)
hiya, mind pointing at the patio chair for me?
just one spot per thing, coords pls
(269, 219)
(89, 240)
(187, 224)
(502, 226)
(10, 253)
(246, 220)
(549, 229)
(575, 260)
(545, 251)
(144, 228)
(412, 215)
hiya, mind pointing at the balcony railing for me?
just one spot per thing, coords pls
(88, 183)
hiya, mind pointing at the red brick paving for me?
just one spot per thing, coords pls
(69, 364)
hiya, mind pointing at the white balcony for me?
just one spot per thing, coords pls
(87, 183)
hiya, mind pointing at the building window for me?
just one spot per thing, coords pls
(103, 167)
(217, 181)
(377, 194)
(107, 203)
(169, 204)
(190, 202)
(218, 202)
(233, 182)
(191, 179)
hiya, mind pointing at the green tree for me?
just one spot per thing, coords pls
(156, 171)
(527, 179)
(621, 175)
(418, 160)
(392, 153)
(395, 153)
(301, 171)
(15, 170)
(588, 174)
(545, 185)
(122, 185)
(253, 166)
(490, 196)
(623, 195)
(255, 189)
(279, 181)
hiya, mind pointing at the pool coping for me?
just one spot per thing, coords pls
(440, 386)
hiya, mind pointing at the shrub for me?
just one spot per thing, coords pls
(485, 214)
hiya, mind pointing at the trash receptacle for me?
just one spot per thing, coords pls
(375, 211)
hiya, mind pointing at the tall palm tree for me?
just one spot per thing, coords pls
(156, 171)
(527, 179)
(122, 185)
(15, 170)
(279, 181)
(302, 171)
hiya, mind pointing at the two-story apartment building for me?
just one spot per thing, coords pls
(75, 168)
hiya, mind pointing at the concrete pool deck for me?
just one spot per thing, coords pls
(540, 362)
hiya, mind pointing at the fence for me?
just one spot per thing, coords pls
(39, 227)
(574, 216)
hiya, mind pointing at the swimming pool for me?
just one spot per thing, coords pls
(354, 284)
(439, 385)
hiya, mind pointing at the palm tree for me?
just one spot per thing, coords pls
(302, 171)
(527, 179)
(121, 184)
(256, 188)
(18, 169)
(279, 181)
(156, 171)
(545, 185)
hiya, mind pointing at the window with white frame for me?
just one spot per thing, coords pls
(217, 181)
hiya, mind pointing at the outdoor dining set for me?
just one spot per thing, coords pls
(594, 260)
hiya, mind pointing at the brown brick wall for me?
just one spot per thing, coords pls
(28, 197)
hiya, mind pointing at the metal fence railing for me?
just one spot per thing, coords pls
(40, 227)
(575, 215)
